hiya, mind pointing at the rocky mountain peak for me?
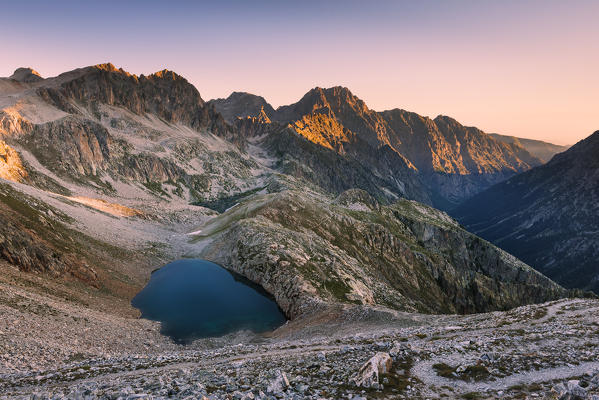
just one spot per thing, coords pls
(164, 93)
(167, 74)
(444, 120)
(589, 147)
(106, 67)
(241, 105)
(26, 74)
(335, 99)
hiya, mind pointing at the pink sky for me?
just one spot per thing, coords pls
(522, 68)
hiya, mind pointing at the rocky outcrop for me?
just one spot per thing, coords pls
(13, 124)
(369, 374)
(71, 145)
(547, 216)
(242, 105)
(163, 93)
(308, 250)
(11, 165)
(26, 75)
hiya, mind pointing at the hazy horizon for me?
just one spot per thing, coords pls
(526, 69)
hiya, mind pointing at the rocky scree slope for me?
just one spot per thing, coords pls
(548, 216)
(546, 351)
(308, 250)
(42, 240)
(454, 161)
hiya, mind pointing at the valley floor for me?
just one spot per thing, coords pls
(53, 348)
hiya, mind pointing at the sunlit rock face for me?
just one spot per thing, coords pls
(453, 162)
(547, 216)
(11, 166)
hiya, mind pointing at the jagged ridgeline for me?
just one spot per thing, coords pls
(437, 161)
(98, 125)
(321, 202)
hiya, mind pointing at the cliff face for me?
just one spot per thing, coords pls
(454, 162)
(547, 216)
(308, 249)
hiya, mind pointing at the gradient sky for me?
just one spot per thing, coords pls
(523, 68)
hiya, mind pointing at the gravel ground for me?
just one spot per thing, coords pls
(79, 353)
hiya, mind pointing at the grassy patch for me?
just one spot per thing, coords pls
(471, 373)
(471, 395)
(444, 370)
(337, 288)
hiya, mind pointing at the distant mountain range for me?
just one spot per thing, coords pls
(451, 161)
(542, 150)
(548, 216)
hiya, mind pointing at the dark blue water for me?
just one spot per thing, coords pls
(197, 298)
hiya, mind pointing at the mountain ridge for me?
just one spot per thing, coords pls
(541, 149)
(543, 215)
(456, 161)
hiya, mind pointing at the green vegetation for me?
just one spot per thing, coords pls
(337, 288)
(156, 187)
(471, 396)
(444, 370)
(471, 373)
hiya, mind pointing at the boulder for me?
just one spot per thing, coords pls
(279, 384)
(368, 375)
(570, 390)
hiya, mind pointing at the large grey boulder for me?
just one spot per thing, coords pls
(368, 375)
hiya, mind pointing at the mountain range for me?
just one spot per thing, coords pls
(544, 151)
(451, 162)
(150, 147)
(548, 216)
